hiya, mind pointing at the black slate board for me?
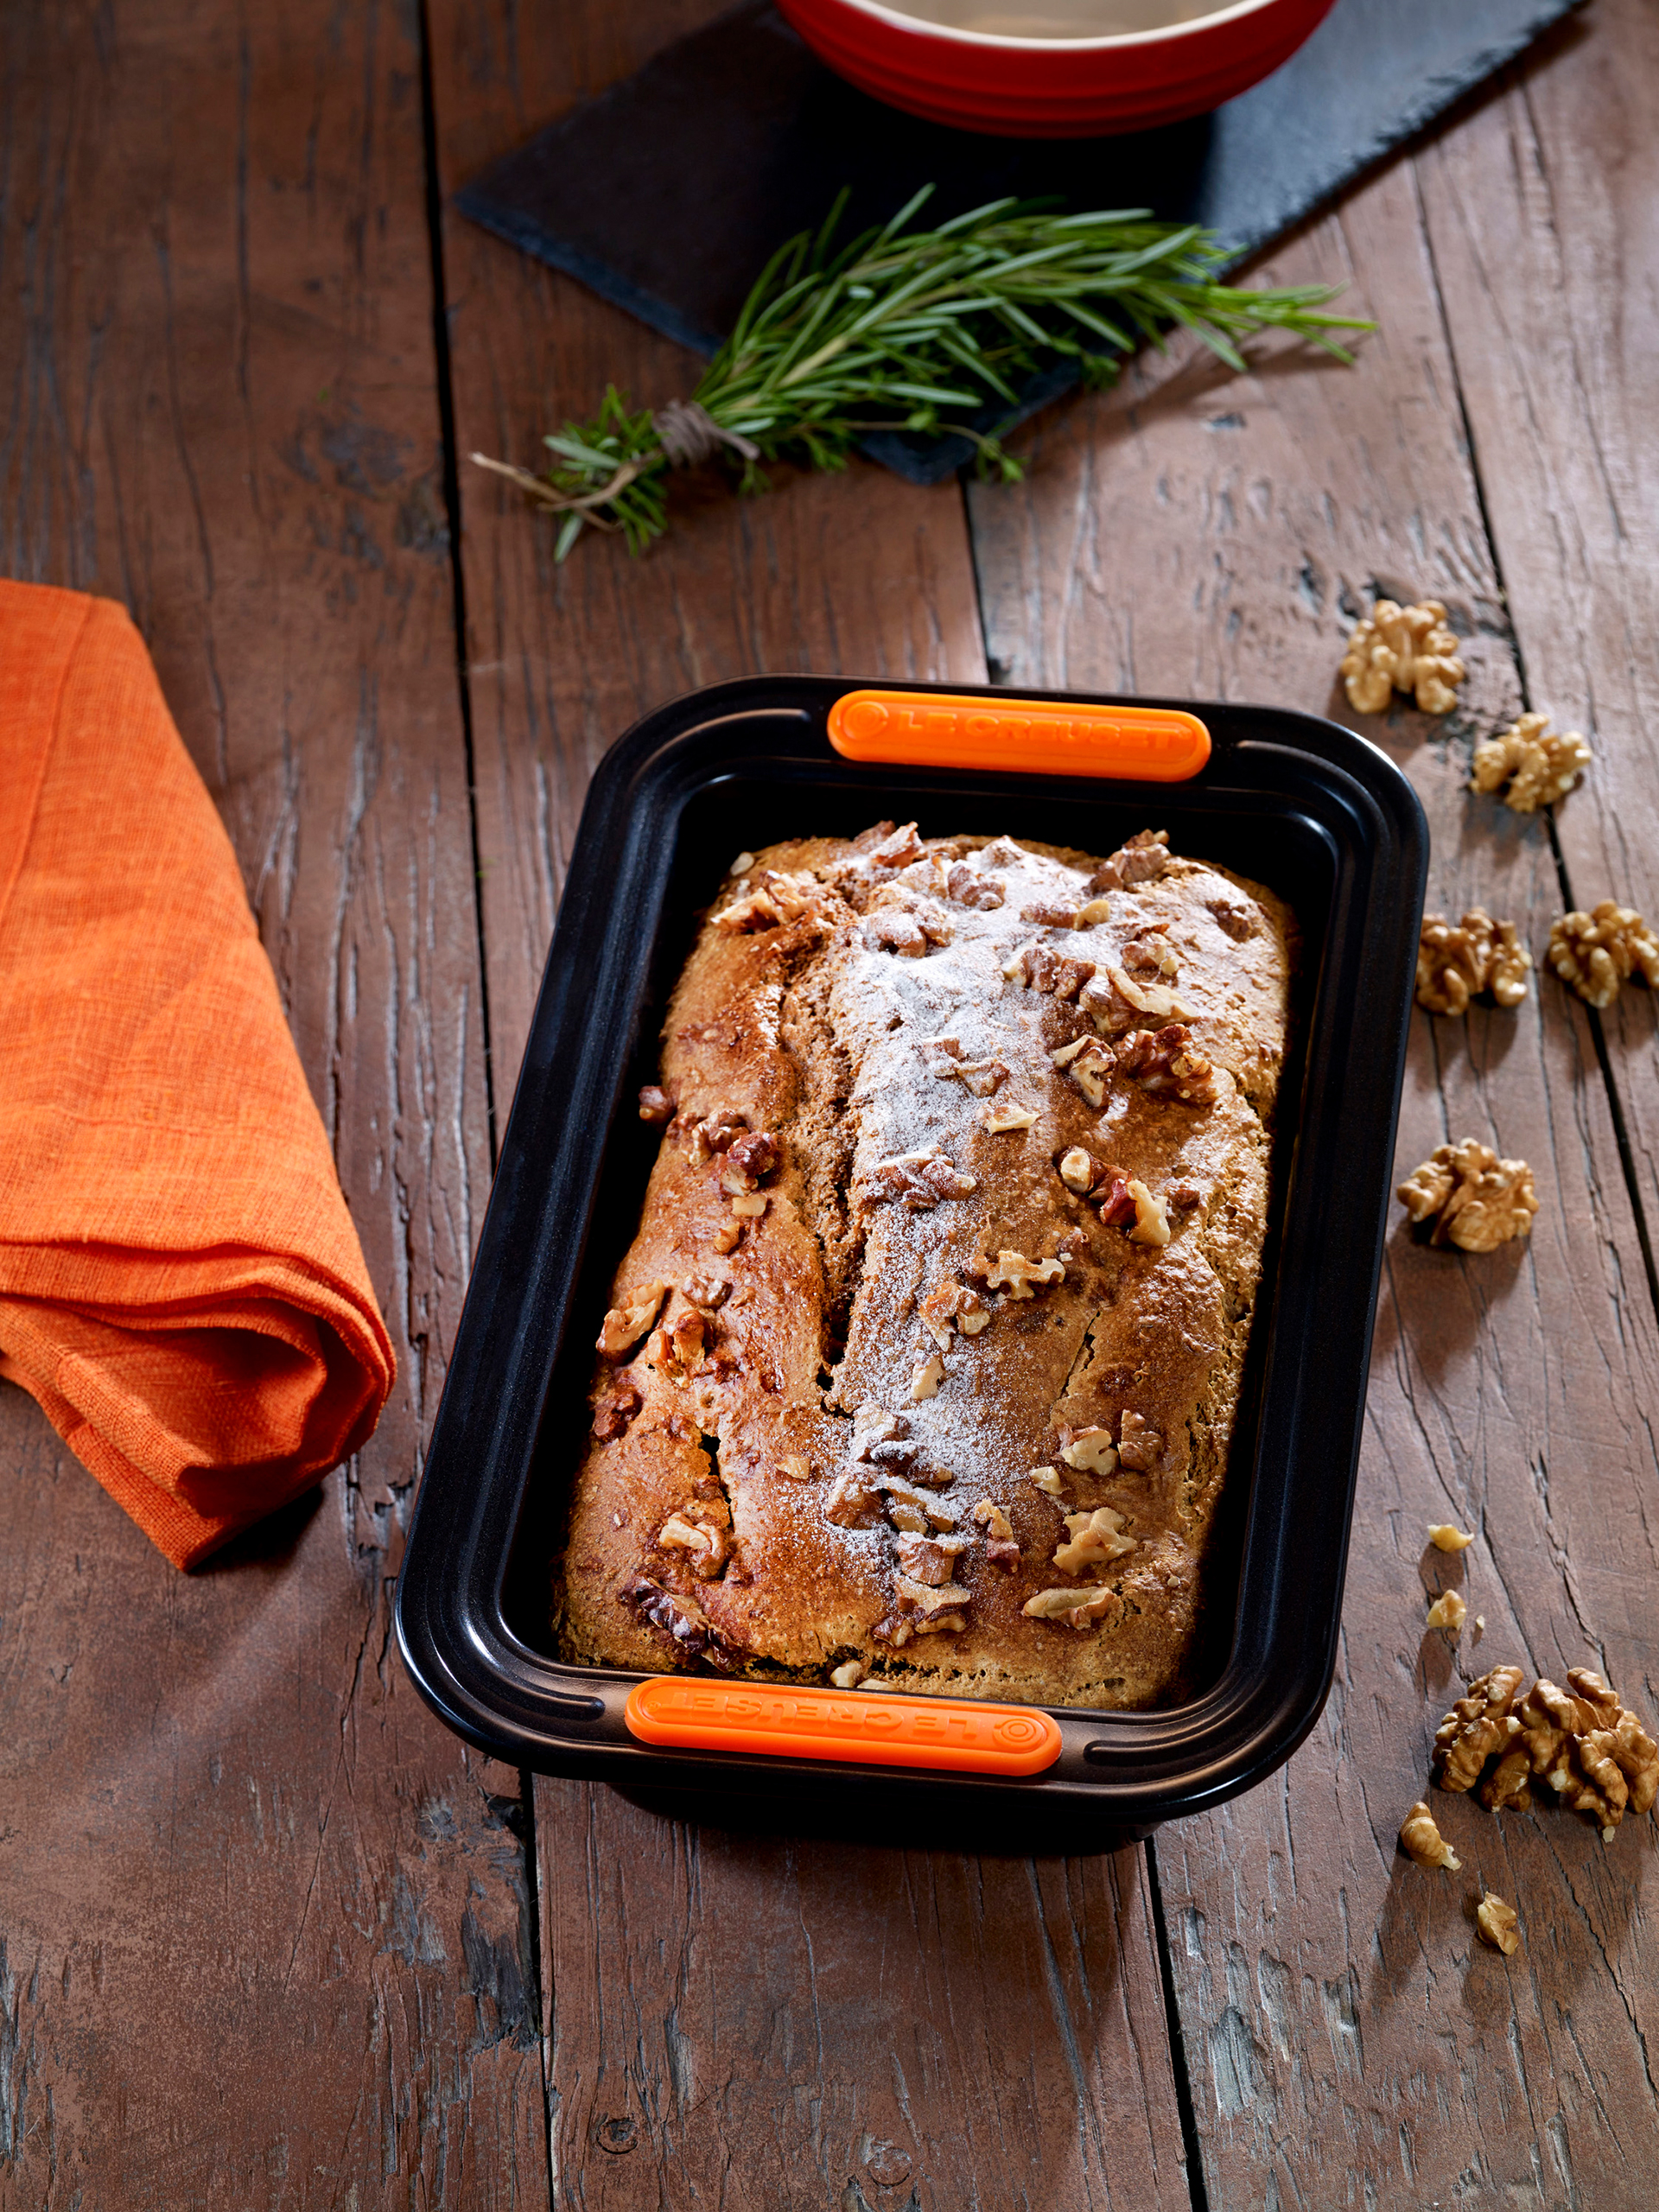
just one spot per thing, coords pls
(668, 192)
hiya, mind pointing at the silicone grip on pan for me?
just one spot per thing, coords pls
(870, 1730)
(1148, 745)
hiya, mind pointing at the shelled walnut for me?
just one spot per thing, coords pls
(1500, 1924)
(1478, 1725)
(1595, 954)
(1400, 648)
(1539, 767)
(1448, 1610)
(1420, 1839)
(1457, 961)
(1475, 1199)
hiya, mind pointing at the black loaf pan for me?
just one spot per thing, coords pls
(1304, 806)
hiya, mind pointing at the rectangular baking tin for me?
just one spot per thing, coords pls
(1318, 814)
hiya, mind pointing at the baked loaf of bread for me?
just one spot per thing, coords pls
(923, 1365)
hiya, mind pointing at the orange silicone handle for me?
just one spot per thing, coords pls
(873, 1729)
(1149, 745)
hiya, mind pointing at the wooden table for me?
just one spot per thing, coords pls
(269, 1935)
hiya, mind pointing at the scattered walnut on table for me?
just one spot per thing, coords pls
(1500, 1924)
(1445, 1538)
(849, 1675)
(1595, 954)
(625, 1325)
(1478, 1725)
(1456, 962)
(1398, 648)
(1448, 1610)
(1539, 768)
(1420, 1839)
(1473, 1198)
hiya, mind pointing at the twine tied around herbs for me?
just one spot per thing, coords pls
(687, 435)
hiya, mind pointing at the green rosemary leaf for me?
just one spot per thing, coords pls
(913, 330)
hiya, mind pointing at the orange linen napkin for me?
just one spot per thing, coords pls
(180, 1285)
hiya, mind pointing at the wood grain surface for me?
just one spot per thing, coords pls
(269, 1938)
(1542, 216)
(264, 1932)
(1348, 2041)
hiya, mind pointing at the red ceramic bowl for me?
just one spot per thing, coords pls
(1053, 87)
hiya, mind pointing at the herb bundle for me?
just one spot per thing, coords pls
(914, 331)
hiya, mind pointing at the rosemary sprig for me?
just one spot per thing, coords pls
(914, 331)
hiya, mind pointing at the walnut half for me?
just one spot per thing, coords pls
(1596, 953)
(1420, 1839)
(1475, 1199)
(1456, 962)
(1403, 649)
(1478, 1725)
(1500, 1924)
(1538, 767)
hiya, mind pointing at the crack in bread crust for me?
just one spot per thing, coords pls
(919, 1265)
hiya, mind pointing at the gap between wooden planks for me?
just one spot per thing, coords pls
(265, 1935)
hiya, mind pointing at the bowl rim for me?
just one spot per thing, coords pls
(998, 42)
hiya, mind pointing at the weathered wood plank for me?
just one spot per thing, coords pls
(1348, 2041)
(1543, 217)
(856, 572)
(767, 2024)
(758, 2025)
(265, 1927)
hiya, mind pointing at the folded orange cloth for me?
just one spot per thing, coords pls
(180, 1285)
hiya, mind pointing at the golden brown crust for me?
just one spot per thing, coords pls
(883, 1347)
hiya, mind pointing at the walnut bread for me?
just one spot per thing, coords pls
(922, 1368)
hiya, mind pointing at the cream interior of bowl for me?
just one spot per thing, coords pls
(1066, 19)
